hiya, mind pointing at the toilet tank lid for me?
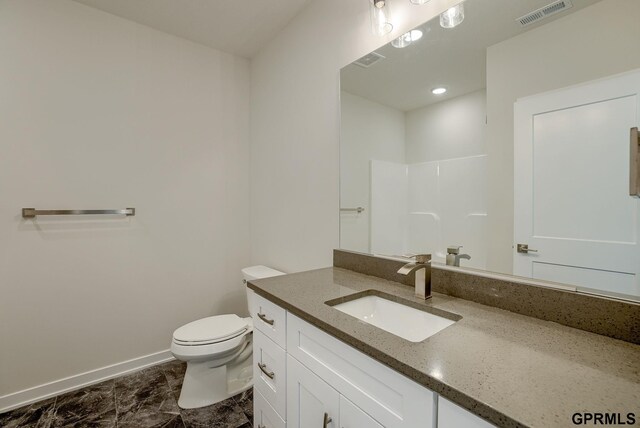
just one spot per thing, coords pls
(258, 272)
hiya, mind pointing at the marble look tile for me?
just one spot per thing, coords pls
(105, 420)
(174, 373)
(226, 414)
(91, 406)
(145, 399)
(245, 401)
(37, 415)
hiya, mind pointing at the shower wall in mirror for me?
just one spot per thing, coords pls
(511, 128)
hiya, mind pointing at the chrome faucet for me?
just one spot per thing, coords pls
(453, 256)
(422, 268)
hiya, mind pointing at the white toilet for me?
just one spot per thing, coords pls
(218, 351)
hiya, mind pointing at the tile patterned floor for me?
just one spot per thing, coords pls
(145, 399)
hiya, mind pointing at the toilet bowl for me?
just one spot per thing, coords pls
(218, 352)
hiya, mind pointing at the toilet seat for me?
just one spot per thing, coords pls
(211, 330)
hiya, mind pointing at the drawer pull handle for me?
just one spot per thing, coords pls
(327, 420)
(263, 367)
(264, 318)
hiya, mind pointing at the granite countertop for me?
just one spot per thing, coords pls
(510, 369)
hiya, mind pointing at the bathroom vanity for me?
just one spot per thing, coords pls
(315, 365)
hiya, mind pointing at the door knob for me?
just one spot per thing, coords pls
(524, 248)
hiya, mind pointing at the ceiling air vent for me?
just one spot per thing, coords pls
(369, 59)
(544, 12)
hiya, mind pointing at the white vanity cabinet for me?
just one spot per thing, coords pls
(265, 416)
(388, 397)
(453, 416)
(304, 377)
(270, 373)
(311, 402)
(353, 417)
(269, 364)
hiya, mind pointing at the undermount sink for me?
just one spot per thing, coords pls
(401, 320)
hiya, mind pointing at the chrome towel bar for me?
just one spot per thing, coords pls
(32, 212)
(358, 209)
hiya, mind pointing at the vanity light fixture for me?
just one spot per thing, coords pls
(406, 39)
(438, 91)
(452, 17)
(380, 22)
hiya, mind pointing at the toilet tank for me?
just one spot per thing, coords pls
(256, 272)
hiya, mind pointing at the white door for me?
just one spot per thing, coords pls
(352, 416)
(572, 202)
(311, 402)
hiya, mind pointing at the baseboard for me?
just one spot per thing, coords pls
(51, 389)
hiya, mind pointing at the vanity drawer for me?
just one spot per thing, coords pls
(393, 400)
(264, 416)
(270, 371)
(271, 320)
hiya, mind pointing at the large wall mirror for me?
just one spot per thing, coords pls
(508, 135)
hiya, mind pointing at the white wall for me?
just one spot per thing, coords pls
(449, 129)
(295, 127)
(99, 112)
(369, 131)
(597, 41)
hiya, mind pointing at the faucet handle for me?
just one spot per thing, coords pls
(454, 249)
(422, 258)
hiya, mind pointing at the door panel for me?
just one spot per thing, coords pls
(353, 417)
(571, 186)
(309, 398)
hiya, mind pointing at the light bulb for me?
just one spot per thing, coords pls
(406, 39)
(418, 2)
(438, 91)
(452, 16)
(380, 22)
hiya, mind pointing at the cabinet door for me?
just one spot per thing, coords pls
(453, 416)
(310, 401)
(391, 399)
(353, 417)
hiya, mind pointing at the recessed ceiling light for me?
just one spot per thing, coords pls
(438, 91)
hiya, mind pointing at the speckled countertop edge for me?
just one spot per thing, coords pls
(342, 327)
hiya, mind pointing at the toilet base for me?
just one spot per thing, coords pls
(204, 385)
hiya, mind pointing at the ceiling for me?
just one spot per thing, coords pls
(240, 27)
(453, 58)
